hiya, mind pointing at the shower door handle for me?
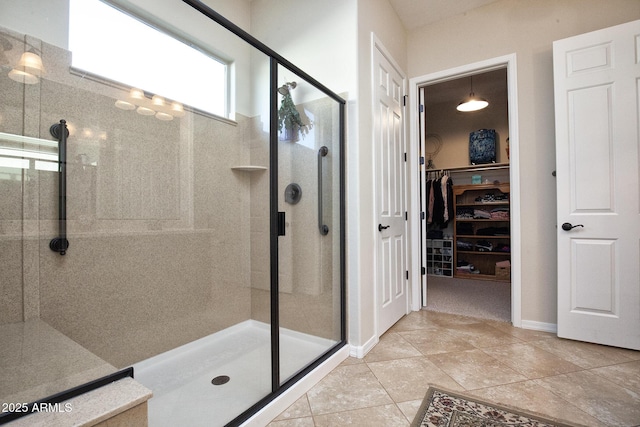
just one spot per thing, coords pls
(282, 223)
(323, 228)
(60, 244)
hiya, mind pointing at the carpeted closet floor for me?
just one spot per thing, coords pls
(476, 298)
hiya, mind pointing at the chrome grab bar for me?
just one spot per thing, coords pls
(324, 229)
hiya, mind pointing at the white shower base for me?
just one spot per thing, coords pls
(181, 378)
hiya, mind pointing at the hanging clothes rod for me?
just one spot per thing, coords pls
(472, 168)
(60, 244)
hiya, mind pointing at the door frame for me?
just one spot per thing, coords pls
(376, 44)
(417, 280)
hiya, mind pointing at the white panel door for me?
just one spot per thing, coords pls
(597, 98)
(389, 153)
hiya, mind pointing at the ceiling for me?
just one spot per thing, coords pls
(417, 13)
(491, 85)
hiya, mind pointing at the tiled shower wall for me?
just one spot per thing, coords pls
(309, 267)
(168, 243)
(158, 222)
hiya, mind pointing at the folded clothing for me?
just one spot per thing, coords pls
(464, 246)
(484, 246)
(464, 212)
(480, 214)
(493, 231)
(502, 247)
(487, 198)
(500, 213)
(464, 228)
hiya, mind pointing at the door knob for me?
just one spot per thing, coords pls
(383, 227)
(567, 226)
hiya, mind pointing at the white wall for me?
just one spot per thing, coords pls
(49, 23)
(317, 37)
(527, 29)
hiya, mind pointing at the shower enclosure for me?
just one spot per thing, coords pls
(201, 252)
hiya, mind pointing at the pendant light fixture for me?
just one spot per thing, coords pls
(472, 102)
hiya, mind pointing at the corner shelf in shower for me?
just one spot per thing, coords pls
(248, 168)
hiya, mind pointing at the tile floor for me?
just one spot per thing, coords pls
(578, 383)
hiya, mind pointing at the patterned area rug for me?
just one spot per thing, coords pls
(446, 409)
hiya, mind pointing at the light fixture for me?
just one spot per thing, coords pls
(23, 77)
(29, 68)
(472, 102)
(157, 106)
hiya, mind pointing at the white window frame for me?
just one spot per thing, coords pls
(221, 109)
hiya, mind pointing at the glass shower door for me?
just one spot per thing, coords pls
(308, 150)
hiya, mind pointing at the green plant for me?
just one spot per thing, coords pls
(288, 115)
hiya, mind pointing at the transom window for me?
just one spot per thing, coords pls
(109, 43)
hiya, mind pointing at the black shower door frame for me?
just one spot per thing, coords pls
(276, 60)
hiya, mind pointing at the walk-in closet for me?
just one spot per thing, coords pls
(466, 240)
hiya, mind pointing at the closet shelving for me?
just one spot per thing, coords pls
(481, 230)
(472, 168)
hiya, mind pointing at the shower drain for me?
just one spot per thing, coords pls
(219, 380)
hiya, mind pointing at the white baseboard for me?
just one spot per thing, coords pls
(540, 326)
(361, 351)
(296, 391)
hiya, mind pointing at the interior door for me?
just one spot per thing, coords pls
(596, 103)
(390, 166)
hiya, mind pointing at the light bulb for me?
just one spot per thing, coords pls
(144, 111)
(177, 109)
(124, 105)
(135, 93)
(163, 116)
(157, 100)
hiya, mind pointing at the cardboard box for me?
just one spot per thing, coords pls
(503, 272)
